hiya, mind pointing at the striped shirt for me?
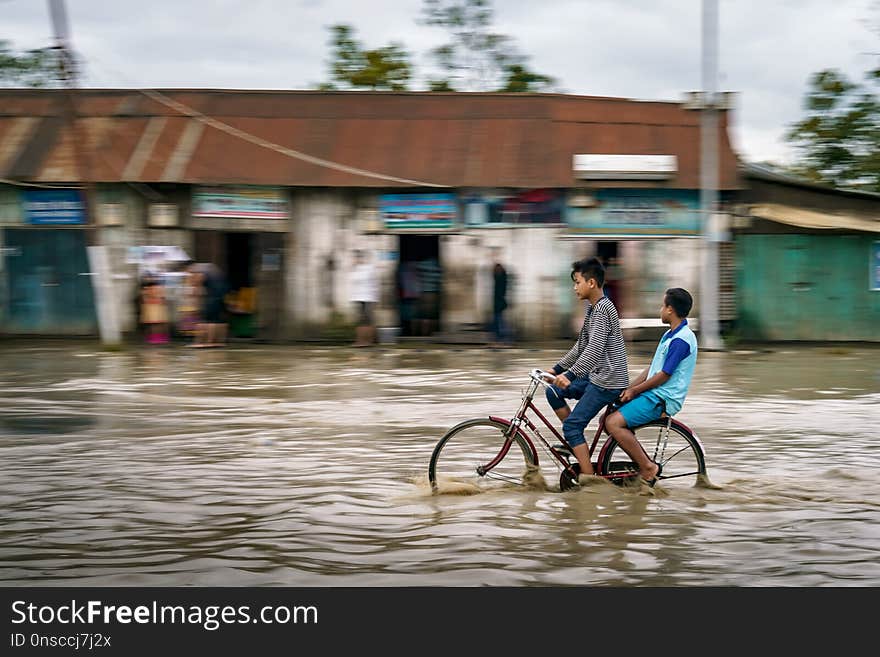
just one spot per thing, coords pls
(600, 352)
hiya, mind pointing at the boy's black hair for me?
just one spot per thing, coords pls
(680, 300)
(589, 268)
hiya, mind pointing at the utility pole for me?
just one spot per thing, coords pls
(710, 337)
(99, 264)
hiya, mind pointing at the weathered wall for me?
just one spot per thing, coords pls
(807, 287)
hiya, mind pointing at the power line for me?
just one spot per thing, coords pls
(289, 152)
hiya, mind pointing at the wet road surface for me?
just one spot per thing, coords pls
(299, 465)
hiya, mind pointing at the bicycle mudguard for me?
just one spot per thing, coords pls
(683, 427)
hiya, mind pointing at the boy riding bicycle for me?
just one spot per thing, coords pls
(594, 371)
(662, 387)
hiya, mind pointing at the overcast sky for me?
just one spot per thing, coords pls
(643, 49)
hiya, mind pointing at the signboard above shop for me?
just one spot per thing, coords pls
(240, 202)
(591, 166)
(638, 213)
(53, 207)
(531, 206)
(418, 210)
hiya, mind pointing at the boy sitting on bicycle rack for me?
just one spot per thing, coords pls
(662, 387)
(594, 371)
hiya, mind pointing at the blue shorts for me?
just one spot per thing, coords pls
(591, 400)
(641, 410)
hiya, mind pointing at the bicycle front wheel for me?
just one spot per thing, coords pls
(677, 450)
(475, 456)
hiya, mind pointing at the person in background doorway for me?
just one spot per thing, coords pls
(500, 279)
(410, 291)
(364, 294)
(430, 275)
(213, 328)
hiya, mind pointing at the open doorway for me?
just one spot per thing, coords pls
(234, 254)
(609, 253)
(419, 285)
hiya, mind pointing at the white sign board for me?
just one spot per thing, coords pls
(592, 166)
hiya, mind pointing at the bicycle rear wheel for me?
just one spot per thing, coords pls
(469, 458)
(679, 452)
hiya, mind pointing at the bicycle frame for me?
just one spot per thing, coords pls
(521, 419)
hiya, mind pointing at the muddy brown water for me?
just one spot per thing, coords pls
(298, 465)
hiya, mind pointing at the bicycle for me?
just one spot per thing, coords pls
(474, 452)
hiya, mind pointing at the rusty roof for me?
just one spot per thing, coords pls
(258, 137)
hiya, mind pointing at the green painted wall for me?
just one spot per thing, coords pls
(806, 287)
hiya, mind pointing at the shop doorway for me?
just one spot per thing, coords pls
(253, 266)
(419, 285)
(609, 253)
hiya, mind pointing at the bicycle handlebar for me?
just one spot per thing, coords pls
(541, 377)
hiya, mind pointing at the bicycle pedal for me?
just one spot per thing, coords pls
(559, 447)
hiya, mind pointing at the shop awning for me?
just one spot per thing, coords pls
(787, 214)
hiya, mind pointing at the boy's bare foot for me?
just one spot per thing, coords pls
(653, 475)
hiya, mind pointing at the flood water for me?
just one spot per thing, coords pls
(265, 465)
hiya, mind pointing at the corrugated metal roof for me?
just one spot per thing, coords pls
(453, 139)
(804, 218)
(769, 173)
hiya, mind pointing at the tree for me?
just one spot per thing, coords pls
(475, 58)
(521, 79)
(839, 139)
(32, 68)
(356, 68)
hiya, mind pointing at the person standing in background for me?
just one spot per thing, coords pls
(154, 312)
(430, 276)
(500, 279)
(212, 330)
(410, 291)
(364, 294)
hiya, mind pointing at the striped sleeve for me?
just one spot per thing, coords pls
(571, 357)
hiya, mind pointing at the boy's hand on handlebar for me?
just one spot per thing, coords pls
(562, 381)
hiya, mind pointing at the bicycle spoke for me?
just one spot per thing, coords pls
(469, 448)
(673, 448)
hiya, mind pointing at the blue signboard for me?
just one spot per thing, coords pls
(53, 206)
(639, 213)
(418, 210)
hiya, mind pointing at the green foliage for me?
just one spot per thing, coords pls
(839, 138)
(356, 68)
(475, 58)
(33, 68)
(520, 79)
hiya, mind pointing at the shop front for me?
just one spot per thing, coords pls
(240, 230)
(419, 221)
(48, 288)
